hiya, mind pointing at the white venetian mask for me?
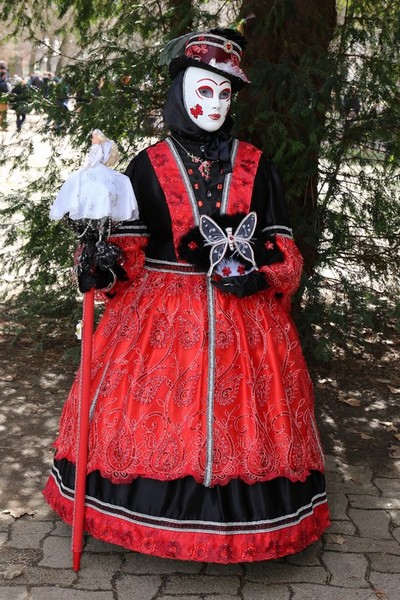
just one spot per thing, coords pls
(207, 97)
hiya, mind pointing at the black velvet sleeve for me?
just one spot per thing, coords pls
(153, 208)
(268, 199)
(147, 189)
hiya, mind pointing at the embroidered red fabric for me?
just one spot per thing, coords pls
(284, 277)
(173, 185)
(184, 375)
(196, 546)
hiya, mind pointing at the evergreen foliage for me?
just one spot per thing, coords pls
(341, 168)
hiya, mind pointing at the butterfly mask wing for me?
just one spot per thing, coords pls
(243, 235)
(216, 238)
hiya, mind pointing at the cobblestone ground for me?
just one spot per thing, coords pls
(357, 559)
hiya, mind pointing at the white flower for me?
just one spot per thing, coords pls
(78, 330)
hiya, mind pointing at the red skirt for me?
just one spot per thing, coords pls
(184, 520)
(193, 385)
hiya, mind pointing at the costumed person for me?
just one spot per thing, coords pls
(96, 190)
(203, 443)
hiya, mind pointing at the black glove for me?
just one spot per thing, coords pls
(120, 273)
(99, 280)
(242, 285)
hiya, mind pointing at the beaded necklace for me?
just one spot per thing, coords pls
(204, 165)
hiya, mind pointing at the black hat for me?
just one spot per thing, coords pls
(216, 50)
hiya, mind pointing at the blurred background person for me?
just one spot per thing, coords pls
(20, 101)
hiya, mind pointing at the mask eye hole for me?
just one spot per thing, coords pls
(205, 91)
(225, 94)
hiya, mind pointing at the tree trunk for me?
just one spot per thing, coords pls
(287, 40)
(67, 49)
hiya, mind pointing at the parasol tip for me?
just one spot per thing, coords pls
(76, 560)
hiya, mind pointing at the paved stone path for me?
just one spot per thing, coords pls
(357, 559)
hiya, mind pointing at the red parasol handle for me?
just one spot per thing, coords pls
(83, 428)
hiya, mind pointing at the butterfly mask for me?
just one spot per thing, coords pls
(235, 242)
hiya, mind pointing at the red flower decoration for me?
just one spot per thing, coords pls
(241, 269)
(196, 111)
(161, 159)
(226, 271)
(193, 245)
(194, 51)
(269, 245)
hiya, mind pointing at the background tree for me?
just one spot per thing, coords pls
(291, 73)
(308, 68)
(302, 72)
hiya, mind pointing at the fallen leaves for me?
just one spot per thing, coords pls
(394, 390)
(13, 571)
(327, 381)
(8, 376)
(394, 451)
(389, 426)
(335, 538)
(350, 401)
(392, 385)
(363, 436)
(17, 513)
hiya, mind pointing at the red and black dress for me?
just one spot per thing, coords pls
(203, 443)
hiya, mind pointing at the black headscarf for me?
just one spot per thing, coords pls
(176, 118)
